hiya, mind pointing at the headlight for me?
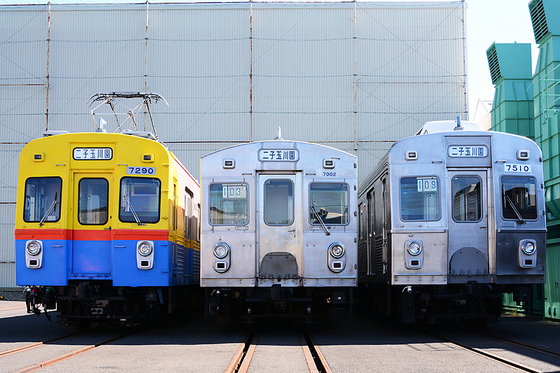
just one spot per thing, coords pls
(337, 250)
(33, 248)
(528, 247)
(414, 248)
(145, 248)
(221, 250)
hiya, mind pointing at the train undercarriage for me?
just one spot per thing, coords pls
(251, 305)
(472, 304)
(84, 303)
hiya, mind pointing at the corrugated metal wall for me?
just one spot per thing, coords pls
(356, 76)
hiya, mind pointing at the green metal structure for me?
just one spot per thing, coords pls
(532, 108)
(512, 112)
(545, 16)
(510, 68)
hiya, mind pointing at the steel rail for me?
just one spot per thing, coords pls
(478, 351)
(69, 355)
(316, 361)
(522, 344)
(244, 354)
(38, 344)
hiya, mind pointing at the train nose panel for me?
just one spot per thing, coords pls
(279, 266)
(91, 258)
(468, 262)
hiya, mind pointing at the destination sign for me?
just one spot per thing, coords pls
(278, 155)
(91, 154)
(467, 151)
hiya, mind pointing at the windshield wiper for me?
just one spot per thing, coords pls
(129, 205)
(521, 220)
(325, 229)
(51, 209)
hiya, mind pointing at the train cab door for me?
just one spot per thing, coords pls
(370, 218)
(279, 229)
(468, 226)
(91, 251)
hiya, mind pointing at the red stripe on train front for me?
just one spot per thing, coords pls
(43, 234)
(141, 234)
(92, 235)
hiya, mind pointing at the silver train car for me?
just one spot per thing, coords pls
(278, 230)
(450, 220)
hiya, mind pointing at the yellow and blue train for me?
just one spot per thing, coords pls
(110, 222)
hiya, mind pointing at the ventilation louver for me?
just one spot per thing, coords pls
(494, 64)
(538, 18)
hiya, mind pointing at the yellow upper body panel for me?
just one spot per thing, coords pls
(71, 158)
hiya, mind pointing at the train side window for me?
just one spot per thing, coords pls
(467, 198)
(420, 198)
(93, 201)
(139, 200)
(329, 201)
(519, 197)
(279, 202)
(228, 204)
(42, 199)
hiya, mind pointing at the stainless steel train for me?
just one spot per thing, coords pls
(450, 219)
(278, 230)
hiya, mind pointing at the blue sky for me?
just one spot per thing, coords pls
(488, 21)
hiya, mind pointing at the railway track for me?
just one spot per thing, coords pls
(518, 355)
(248, 349)
(35, 345)
(98, 341)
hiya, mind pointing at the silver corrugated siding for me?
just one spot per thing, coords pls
(7, 253)
(356, 76)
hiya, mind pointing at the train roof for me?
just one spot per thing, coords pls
(140, 139)
(447, 126)
(280, 142)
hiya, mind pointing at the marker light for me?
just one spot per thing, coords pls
(336, 249)
(33, 248)
(414, 248)
(145, 248)
(221, 250)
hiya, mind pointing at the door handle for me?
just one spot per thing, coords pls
(291, 230)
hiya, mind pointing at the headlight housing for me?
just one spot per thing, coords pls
(33, 248)
(336, 249)
(145, 248)
(221, 250)
(528, 247)
(414, 248)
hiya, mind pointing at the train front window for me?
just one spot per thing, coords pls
(139, 201)
(278, 202)
(93, 201)
(519, 197)
(42, 199)
(228, 204)
(420, 198)
(328, 202)
(467, 198)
